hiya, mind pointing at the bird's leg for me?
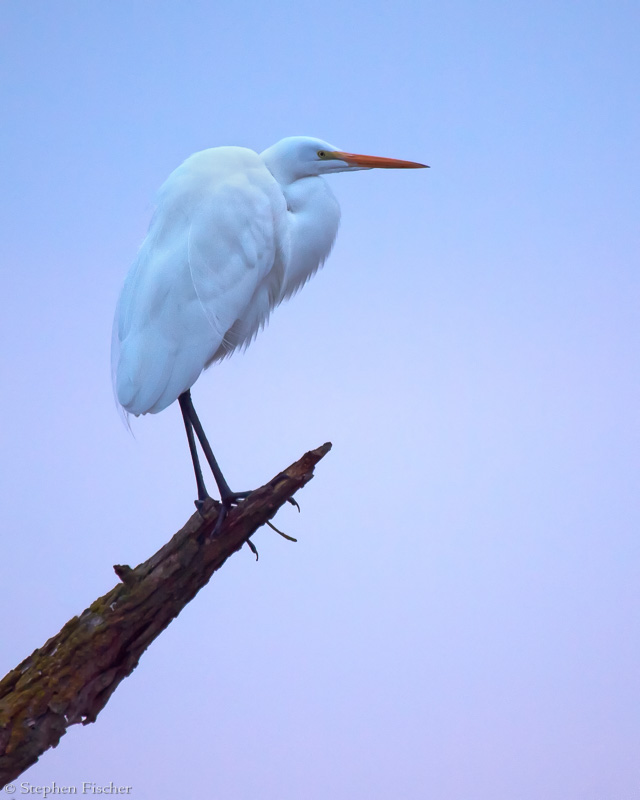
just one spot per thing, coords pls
(186, 403)
(192, 423)
(226, 495)
(202, 489)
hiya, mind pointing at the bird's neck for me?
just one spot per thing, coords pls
(314, 216)
(304, 193)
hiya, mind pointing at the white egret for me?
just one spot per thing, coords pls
(234, 234)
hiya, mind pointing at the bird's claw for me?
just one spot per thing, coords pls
(277, 530)
(293, 502)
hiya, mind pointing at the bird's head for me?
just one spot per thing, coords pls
(302, 156)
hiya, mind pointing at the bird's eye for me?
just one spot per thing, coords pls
(322, 154)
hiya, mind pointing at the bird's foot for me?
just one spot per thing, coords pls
(229, 500)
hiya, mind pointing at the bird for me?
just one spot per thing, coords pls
(234, 234)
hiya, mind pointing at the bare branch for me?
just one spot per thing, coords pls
(71, 678)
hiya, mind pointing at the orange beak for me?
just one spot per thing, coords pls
(373, 162)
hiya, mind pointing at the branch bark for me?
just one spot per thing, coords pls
(71, 678)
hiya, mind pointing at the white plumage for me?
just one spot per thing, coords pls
(233, 235)
(226, 245)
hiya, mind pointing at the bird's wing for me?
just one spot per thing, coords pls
(237, 252)
(217, 241)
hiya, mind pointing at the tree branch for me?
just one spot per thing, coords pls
(71, 678)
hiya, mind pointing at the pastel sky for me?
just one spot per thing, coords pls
(459, 619)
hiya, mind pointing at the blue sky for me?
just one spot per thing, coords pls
(459, 617)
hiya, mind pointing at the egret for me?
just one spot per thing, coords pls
(234, 234)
